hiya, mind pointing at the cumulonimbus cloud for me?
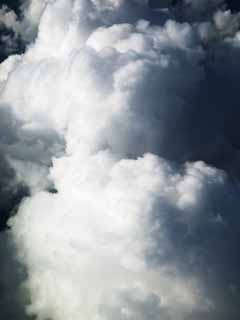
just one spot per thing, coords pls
(121, 125)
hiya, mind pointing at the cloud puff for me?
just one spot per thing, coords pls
(105, 247)
(141, 232)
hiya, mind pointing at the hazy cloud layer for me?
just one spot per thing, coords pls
(120, 123)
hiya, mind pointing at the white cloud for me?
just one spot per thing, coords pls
(129, 234)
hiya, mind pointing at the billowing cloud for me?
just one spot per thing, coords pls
(121, 125)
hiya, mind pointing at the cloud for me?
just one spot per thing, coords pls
(26, 153)
(124, 134)
(12, 294)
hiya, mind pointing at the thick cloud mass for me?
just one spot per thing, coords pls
(119, 160)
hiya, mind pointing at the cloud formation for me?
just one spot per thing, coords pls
(121, 125)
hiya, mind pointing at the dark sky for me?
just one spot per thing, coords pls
(13, 4)
(232, 4)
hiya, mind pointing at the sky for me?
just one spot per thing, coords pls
(119, 160)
